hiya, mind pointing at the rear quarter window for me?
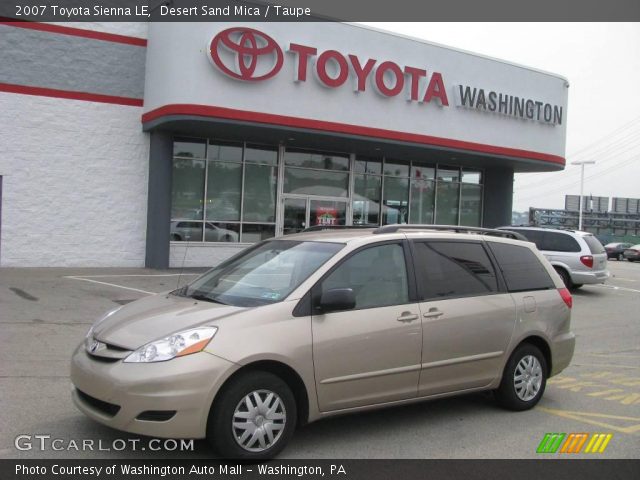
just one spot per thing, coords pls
(594, 244)
(559, 242)
(521, 268)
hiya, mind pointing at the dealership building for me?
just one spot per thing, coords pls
(163, 144)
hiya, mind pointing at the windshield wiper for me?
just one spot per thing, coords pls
(206, 298)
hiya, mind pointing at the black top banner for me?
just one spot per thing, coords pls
(318, 10)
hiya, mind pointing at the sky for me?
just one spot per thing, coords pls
(602, 63)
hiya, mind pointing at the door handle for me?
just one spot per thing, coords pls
(407, 317)
(433, 313)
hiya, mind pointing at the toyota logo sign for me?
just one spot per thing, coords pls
(246, 54)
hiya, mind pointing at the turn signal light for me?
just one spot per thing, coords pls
(566, 296)
(587, 260)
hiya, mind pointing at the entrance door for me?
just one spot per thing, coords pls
(300, 212)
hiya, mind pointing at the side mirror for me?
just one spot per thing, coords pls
(337, 299)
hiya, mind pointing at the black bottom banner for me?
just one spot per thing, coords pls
(543, 469)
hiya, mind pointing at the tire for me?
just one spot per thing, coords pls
(227, 238)
(175, 237)
(231, 408)
(566, 279)
(523, 398)
(576, 286)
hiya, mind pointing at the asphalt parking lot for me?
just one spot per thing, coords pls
(45, 313)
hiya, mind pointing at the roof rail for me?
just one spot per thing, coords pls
(545, 227)
(318, 228)
(451, 228)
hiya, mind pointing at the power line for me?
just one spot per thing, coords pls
(630, 141)
(610, 134)
(623, 141)
(607, 145)
(560, 188)
(615, 144)
(591, 176)
(561, 176)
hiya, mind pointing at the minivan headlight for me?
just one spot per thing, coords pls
(176, 345)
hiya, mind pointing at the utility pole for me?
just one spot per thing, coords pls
(582, 164)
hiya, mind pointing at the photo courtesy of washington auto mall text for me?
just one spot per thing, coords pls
(124, 470)
(359, 240)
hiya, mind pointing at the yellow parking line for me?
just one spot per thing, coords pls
(590, 418)
(603, 393)
(623, 355)
(604, 365)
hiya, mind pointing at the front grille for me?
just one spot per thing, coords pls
(106, 352)
(107, 408)
(156, 415)
(102, 359)
(116, 348)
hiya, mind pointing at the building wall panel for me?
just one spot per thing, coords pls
(75, 183)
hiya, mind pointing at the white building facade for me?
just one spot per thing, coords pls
(169, 143)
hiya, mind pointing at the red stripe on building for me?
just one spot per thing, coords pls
(70, 95)
(76, 32)
(344, 128)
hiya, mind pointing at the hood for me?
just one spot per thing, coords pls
(158, 316)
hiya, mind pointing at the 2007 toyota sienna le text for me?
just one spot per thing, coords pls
(315, 324)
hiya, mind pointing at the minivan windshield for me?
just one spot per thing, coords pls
(263, 274)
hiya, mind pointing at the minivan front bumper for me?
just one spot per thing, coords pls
(116, 394)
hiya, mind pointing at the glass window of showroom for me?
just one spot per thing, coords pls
(243, 192)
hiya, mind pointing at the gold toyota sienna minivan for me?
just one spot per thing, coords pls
(315, 324)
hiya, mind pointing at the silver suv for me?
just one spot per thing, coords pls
(308, 326)
(578, 257)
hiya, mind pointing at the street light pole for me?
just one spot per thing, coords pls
(582, 164)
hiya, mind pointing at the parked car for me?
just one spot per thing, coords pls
(632, 253)
(578, 257)
(191, 231)
(616, 250)
(296, 329)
